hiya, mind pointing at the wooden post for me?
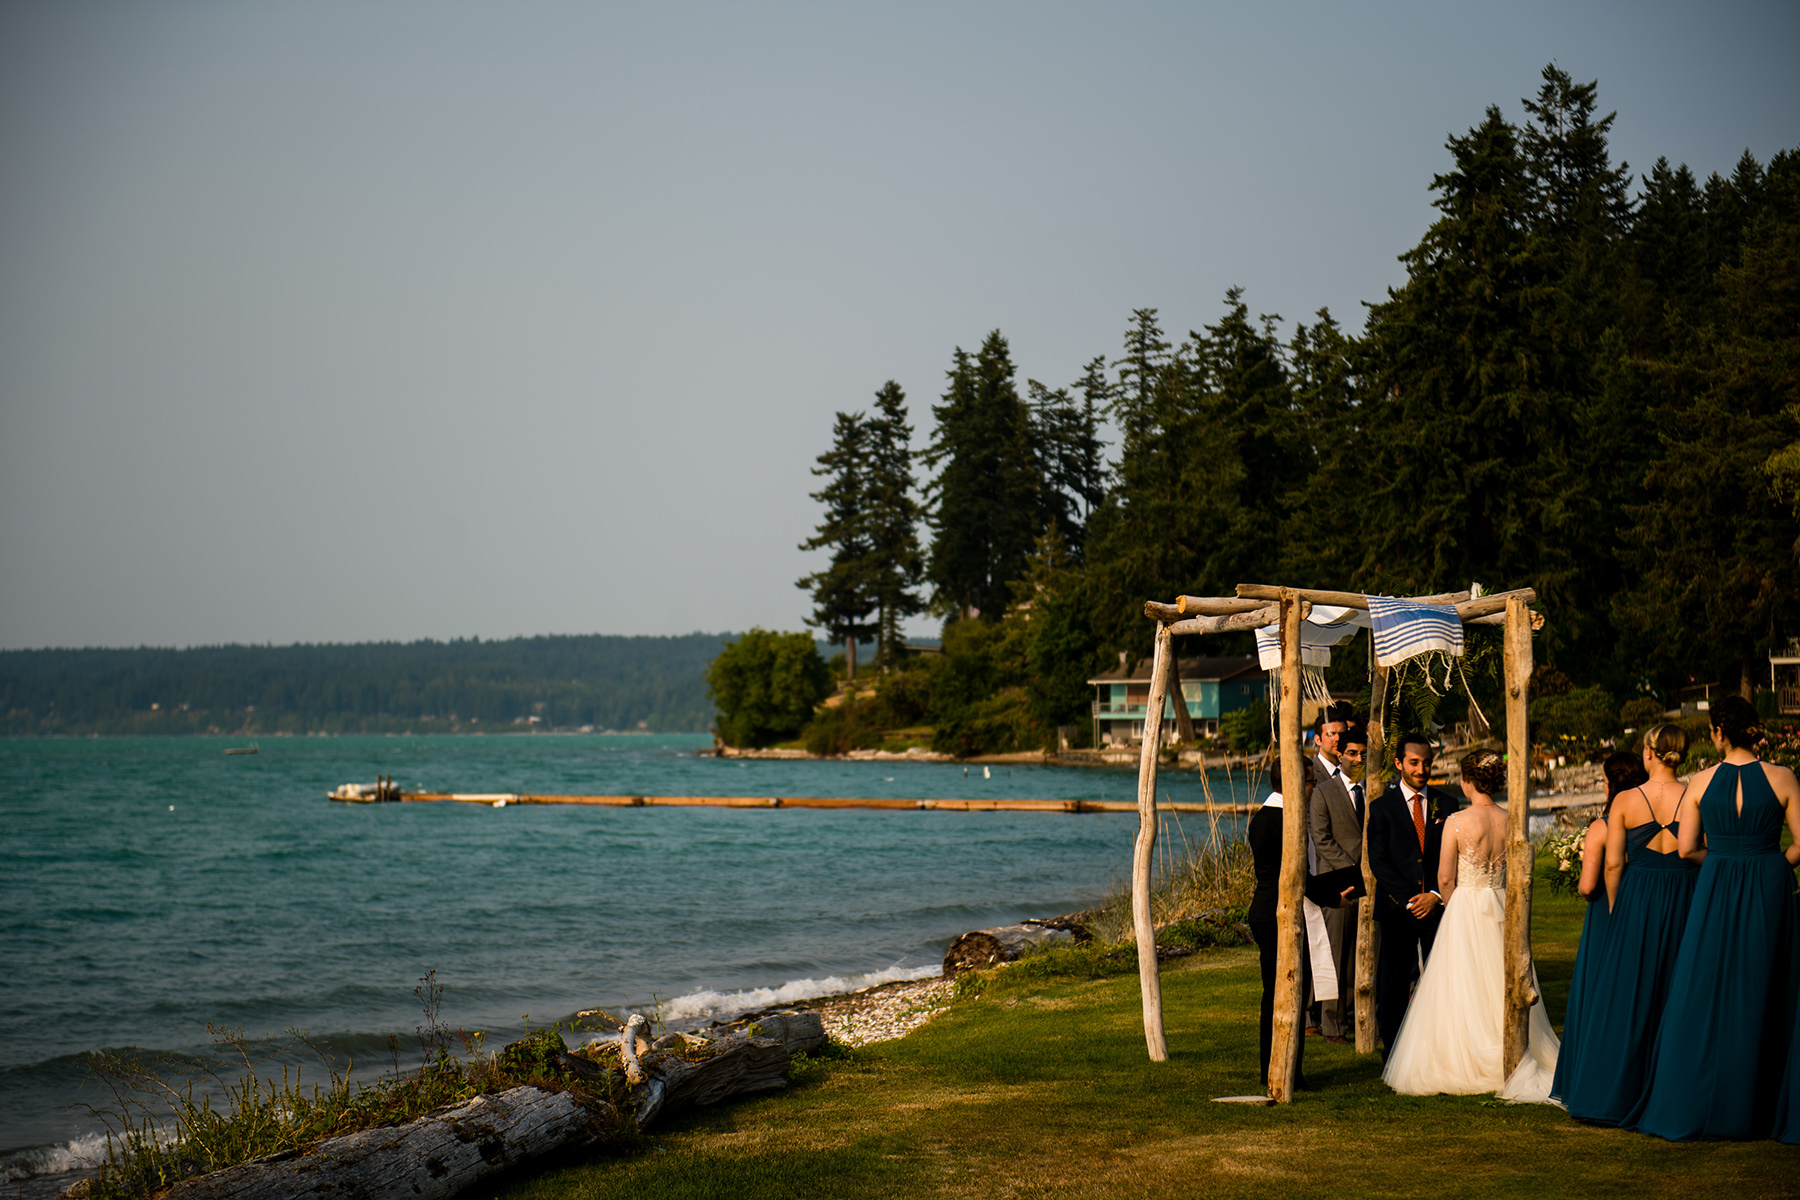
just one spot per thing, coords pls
(1184, 723)
(1143, 854)
(1284, 1049)
(1373, 760)
(1520, 995)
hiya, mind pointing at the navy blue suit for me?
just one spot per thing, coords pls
(1403, 870)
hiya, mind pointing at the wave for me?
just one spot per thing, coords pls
(709, 1005)
(85, 1153)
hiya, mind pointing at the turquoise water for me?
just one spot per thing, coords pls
(153, 885)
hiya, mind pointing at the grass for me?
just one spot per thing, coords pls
(1035, 1083)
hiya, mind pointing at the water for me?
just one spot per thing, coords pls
(153, 885)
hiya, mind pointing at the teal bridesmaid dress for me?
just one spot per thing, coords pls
(1580, 1017)
(1722, 1045)
(1631, 978)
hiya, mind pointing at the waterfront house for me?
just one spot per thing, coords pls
(1211, 688)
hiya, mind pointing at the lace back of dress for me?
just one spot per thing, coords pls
(1480, 873)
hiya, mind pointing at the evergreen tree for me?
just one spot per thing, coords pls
(1469, 477)
(897, 565)
(1714, 544)
(1066, 435)
(986, 501)
(844, 593)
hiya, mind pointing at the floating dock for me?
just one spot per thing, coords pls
(506, 799)
(352, 794)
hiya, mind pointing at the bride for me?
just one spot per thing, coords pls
(1451, 1039)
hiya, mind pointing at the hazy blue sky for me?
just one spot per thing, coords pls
(379, 320)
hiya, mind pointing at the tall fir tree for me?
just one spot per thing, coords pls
(1065, 432)
(986, 500)
(844, 593)
(897, 564)
(1714, 545)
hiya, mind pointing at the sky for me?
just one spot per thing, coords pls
(398, 319)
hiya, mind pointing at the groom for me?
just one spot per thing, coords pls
(1405, 834)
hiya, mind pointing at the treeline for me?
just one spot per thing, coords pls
(1586, 385)
(600, 682)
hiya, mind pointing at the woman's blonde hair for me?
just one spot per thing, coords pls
(1668, 744)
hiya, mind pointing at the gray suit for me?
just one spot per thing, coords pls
(1337, 835)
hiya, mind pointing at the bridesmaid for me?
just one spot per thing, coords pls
(1722, 1044)
(1573, 1065)
(1648, 889)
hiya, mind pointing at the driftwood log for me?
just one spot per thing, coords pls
(435, 1157)
(1005, 943)
(445, 1153)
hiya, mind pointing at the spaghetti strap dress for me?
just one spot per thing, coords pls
(1629, 986)
(1722, 1043)
(1581, 1012)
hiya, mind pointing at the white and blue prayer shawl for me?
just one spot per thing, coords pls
(1327, 626)
(1405, 629)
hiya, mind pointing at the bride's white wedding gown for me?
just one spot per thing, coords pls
(1450, 1040)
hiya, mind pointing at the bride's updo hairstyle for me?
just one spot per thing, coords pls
(1486, 770)
(1668, 745)
(1737, 721)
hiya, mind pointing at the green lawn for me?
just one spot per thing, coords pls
(1040, 1087)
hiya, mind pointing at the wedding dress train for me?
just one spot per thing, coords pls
(1451, 1038)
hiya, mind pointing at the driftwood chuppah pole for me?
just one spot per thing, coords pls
(1252, 609)
(1284, 1046)
(1144, 852)
(1365, 907)
(1520, 994)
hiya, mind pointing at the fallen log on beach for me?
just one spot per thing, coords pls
(447, 1152)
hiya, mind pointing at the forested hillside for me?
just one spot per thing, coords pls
(1589, 384)
(461, 686)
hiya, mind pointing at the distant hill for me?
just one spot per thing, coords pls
(536, 683)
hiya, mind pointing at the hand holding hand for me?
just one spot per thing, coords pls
(1420, 906)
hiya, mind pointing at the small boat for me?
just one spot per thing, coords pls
(250, 749)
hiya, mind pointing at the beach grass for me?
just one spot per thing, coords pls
(1036, 1083)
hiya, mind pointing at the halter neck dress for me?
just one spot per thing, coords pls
(1601, 1072)
(1722, 1042)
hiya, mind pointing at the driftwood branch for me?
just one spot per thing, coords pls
(629, 1037)
(1284, 1046)
(1256, 618)
(1375, 752)
(435, 1157)
(1144, 853)
(1263, 591)
(1520, 995)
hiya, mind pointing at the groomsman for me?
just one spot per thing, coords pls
(1406, 831)
(1327, 728)
(1336, 820)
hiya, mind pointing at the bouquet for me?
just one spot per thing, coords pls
(1564, 867)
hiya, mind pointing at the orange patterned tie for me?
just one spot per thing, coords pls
(1419, 818)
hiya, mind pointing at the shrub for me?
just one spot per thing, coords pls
(1581, 718)
(765, 685)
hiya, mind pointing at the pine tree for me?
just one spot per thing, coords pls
(844, 593)
(1715, 547)
(897, 565)
(986, 500)
(1066, 435)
